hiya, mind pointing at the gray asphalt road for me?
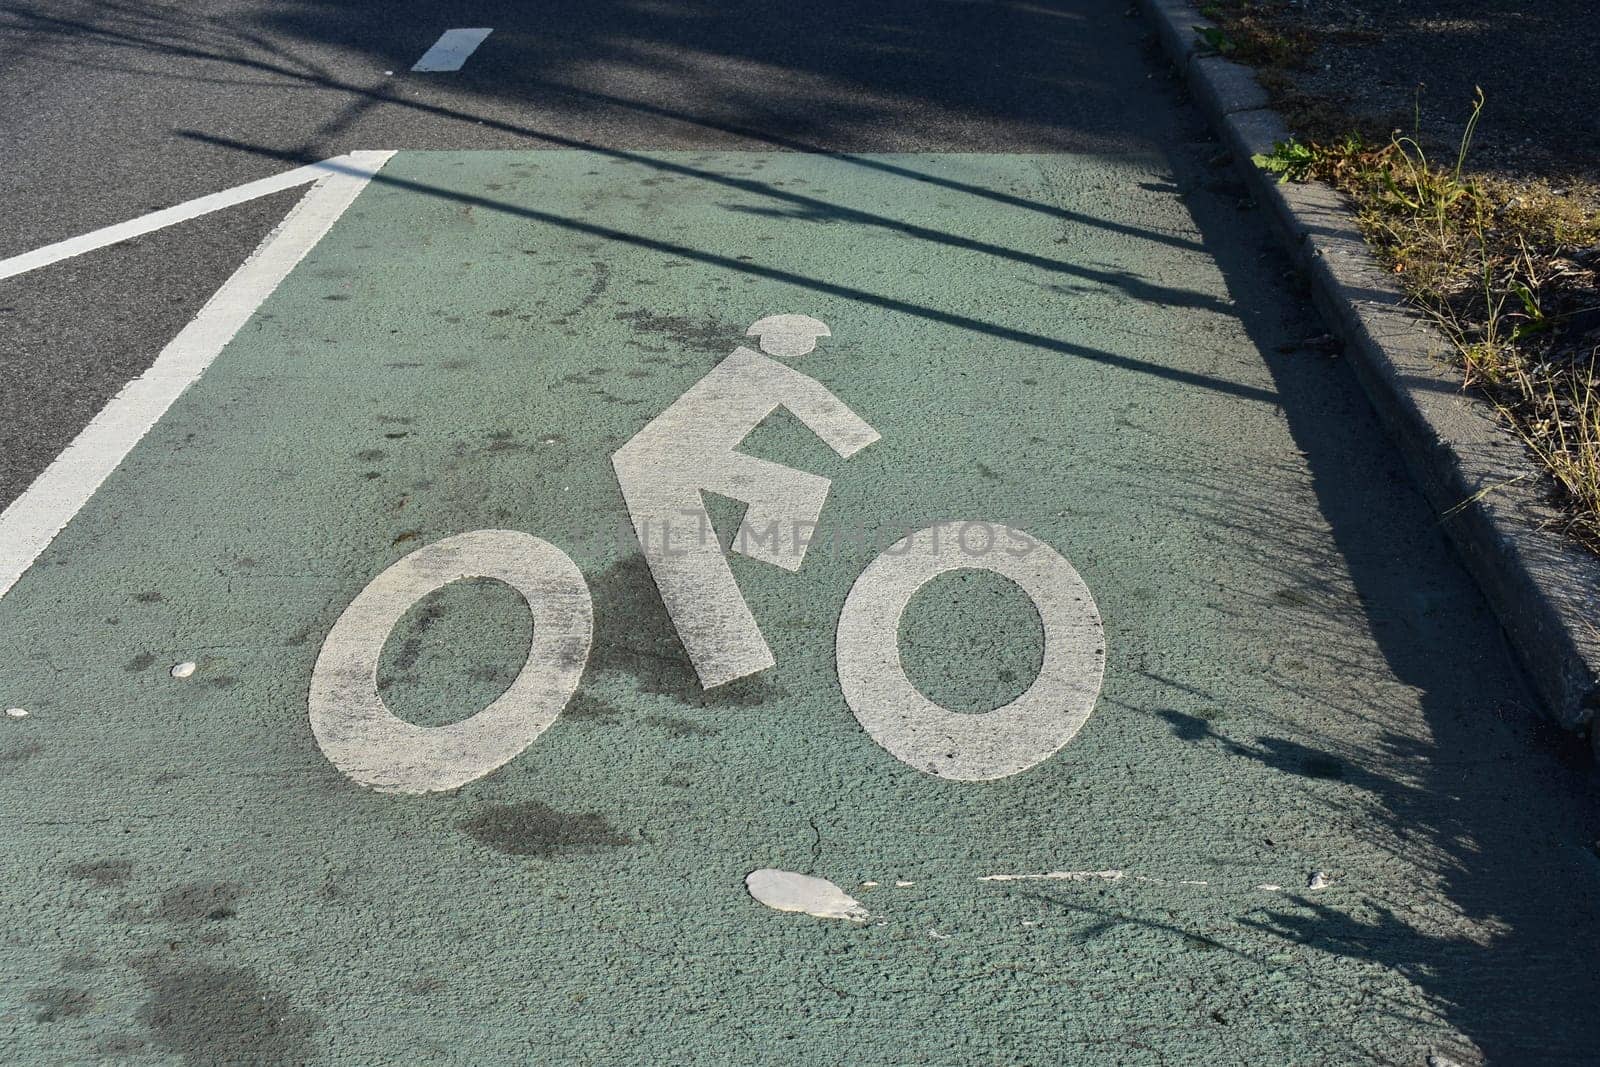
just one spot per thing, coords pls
(116, 110)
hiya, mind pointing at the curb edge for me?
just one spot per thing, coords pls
(1543, 589)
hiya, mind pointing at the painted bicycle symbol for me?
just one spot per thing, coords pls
(690, 448)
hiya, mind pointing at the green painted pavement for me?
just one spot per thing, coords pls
(1297, 675)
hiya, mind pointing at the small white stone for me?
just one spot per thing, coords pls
(902, 885)
(182, 670)
(17, 713)
(1318, 881)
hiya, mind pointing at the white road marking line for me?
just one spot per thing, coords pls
(1057, 876)
(156, 220)
(1115, 876)
(451, 50)
(32, 521)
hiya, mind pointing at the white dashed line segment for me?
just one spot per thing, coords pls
(451, 50)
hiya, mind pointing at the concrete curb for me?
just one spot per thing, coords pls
(1544, 589)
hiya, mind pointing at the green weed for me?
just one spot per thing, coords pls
(1500, 268)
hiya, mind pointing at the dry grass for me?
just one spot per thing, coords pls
(1251, 31)
(1508, 270)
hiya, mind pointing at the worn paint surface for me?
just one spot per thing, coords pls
(1297, 680)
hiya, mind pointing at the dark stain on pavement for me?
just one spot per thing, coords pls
(101, 872)
(633, 634)
(199, 901)
(424, 985)
(222, 1015)
(602, 279)
(677, 728)
(585, 707)
(20, 753)
(538, 830)
(504, 441)
(59, 1002)
(118, 1046)
(698, 335)
(140, 662)
(433, 609)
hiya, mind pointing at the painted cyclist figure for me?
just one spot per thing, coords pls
(692, 447)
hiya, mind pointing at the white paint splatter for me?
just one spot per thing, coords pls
(17, 713)
(788, 336)
(1056, 876)
(790, 891)
(182, 670)
(1270, 888)
(937, 936)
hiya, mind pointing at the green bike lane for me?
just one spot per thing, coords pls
(1305, 821)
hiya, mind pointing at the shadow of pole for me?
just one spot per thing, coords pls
(887, 303)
